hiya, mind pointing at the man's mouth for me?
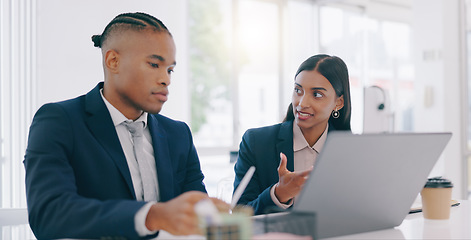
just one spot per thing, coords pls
(162, 95)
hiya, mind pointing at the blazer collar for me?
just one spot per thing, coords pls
(163, 162)
(101, 126)
(285, 143)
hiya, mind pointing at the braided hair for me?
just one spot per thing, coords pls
(136, 21)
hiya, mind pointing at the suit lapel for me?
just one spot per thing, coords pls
(163, 162)
(101, 126)
(285, 143)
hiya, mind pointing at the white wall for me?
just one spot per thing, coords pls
(437, 41)
(69, 65)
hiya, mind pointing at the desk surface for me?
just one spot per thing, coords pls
(415, 226)
(14, 226)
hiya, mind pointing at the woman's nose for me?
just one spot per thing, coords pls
(303, 103)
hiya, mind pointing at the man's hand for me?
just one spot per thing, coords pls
(178, 216)
(290, 183)
(222, 206)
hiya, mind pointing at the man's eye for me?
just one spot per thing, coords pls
(170, 71)
(297, 90)
(154, 65)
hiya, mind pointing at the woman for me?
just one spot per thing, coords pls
(320, 104)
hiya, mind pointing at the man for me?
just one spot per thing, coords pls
(88, 175)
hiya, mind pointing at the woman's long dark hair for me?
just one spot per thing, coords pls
(335, 70)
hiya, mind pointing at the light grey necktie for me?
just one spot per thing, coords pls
(148, 186)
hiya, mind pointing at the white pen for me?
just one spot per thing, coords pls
(241, 188)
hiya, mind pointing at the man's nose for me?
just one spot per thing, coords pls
(164, 80)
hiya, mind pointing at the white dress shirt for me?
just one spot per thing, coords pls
(125, 139)
(304, 157)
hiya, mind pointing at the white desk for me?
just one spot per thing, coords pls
(14, 226)
(416, 227)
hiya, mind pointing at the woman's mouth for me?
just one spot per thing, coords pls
(304, 115)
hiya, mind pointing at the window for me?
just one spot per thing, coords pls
(210, 43)
(242, 65)
(17, 84)
(243, 62)
(377, 53)
(17, 74)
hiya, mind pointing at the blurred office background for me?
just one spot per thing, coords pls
(236, 65)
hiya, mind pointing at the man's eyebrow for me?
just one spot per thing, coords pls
(160, 58)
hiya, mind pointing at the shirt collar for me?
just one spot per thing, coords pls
(299, 142)
(118, 117)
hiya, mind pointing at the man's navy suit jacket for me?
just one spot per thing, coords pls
(261, 147)
(78, 184)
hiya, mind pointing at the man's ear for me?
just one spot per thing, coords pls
(112, 61)
(339, 104)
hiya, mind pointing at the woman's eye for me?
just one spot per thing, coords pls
(297, 90)
(318, 95)
(154, 65)
(170, 71)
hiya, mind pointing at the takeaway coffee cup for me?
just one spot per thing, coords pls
(436, 198)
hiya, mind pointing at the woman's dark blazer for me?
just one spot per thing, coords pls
(261, 147)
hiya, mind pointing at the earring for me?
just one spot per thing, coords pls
(335, 113)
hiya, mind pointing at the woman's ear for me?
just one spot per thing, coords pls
(339, 103)
(112, 61)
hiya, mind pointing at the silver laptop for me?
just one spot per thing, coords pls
(368, 182)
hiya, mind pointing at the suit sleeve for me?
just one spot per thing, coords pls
(256, 194)
(55, 208)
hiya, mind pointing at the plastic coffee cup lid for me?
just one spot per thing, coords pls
(438, 182)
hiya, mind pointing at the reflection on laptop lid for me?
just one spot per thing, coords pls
(368, 182)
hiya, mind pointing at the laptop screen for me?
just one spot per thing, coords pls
(368, 182)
